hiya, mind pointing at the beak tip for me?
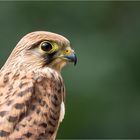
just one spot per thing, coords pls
(72, 58)
(75, 61)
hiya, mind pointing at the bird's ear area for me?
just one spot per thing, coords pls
(45, 46)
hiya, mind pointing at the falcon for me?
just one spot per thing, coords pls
(32, 91)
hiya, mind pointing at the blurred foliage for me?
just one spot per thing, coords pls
(103, 90)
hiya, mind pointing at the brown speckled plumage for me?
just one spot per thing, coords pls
(31, 92)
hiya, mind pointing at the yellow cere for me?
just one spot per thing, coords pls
(67, 51)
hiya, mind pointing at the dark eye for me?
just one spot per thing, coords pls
(46, 46)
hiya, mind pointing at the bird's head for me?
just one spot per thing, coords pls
(42, 49)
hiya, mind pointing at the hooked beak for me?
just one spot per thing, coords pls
(71, 58)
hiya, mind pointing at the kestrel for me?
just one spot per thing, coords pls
(32, 91)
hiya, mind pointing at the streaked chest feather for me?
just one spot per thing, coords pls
(32, 104)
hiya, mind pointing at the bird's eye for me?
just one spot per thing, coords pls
(46, 46)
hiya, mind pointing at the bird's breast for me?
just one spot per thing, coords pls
(41, 112)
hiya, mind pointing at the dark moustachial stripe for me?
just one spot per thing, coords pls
(4, 133)
(49, 58)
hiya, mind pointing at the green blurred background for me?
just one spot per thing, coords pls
(103, 90)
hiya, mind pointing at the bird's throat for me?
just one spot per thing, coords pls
(58, 64)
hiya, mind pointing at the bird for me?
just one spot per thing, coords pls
(32, 90)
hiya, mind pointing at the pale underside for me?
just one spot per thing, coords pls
(31, 104)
